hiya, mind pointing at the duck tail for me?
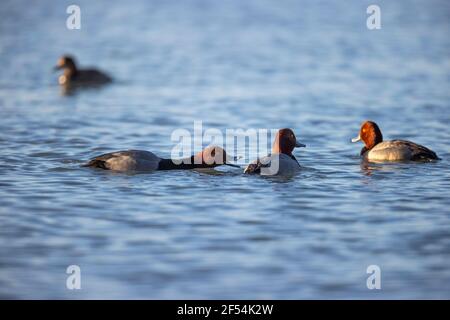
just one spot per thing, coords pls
(427, 155)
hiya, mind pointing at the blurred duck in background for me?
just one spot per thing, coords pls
(146, 161)
(376, 149)
(74, 77)
(281, 161)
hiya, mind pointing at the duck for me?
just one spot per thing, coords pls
(72, 76)
(281, 161)
(146, 161)
(375, 149)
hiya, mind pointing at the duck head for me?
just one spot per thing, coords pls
(65, 62)
(213, 156)
(285, 142)
(370, 134)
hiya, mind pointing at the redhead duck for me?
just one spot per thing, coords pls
(281, 161)
(376, 149)
(72, 76)
(139, 160)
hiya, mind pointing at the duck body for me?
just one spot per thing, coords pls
(146, 161)
(281, 161)
(398, 150)
(274, 164)
(375, 149)
(84, 77)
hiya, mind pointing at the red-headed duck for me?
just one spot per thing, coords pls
(281, 161)
(376, 149)
(139, 160)
(72, 76)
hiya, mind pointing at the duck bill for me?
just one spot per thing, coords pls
(299, 145)
(230, 158)
(232, 165)
(358, 138)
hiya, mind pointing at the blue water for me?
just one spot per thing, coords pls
(309, 65)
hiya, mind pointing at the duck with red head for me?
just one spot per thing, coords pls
(146, 161)
(74, 77)
(375, 149)
(281, 161)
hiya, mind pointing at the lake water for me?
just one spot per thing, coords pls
(309, 65)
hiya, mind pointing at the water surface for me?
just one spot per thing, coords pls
(309, 65)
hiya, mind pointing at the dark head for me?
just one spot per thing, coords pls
(370, 134)
(66, 62)
(285, 142)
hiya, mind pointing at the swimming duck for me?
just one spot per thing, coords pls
(139, 160)
(72, 76)
(376, 149)
(281, 161)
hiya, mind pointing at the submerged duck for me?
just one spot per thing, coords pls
(376, 149)
(139, 160)
(72, 76)
(281, 161)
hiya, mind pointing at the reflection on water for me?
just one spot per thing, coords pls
(71, 90)
(368, 168)
(219, 233)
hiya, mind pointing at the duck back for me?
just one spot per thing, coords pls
(130, 160)
(90, 77)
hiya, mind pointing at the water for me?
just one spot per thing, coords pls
(309, 65)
